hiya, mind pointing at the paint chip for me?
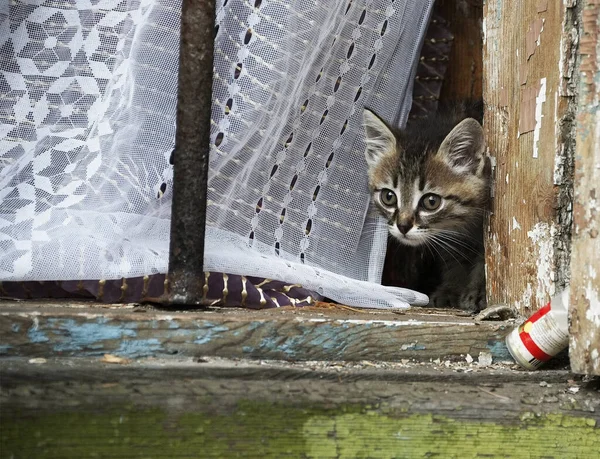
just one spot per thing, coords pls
(469, 359)
(532, 38)
(110, 358)
(527, 114)
(37, 361)
(515, 224)
(539, 102)
(484, 359)
(523, 71)
(542, 5)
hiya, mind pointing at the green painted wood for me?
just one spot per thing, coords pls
(78, 408)
(34, 331)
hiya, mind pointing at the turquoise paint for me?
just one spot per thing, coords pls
(182, 332)
(15, 328)
(499, 351)
(93, 336)
(139, 348)
(327, 338)
(211, 332)
(277, 343)
(254, 325)
(36, 335)
(324, 336)
(80, 336)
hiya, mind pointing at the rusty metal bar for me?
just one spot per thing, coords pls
(190, 158)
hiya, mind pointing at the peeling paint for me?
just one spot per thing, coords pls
(539, 101)
(499, 351)
(527, 268)
(210, 332)
(525, 301)
(36, 335)
(559, 166)
(398, 323)
(340, 339)
(593, 311)
(297, 421)
(532, 38)
(138, 348)
(515, 224)
(86, 335)
(413, 347)
(542, 238)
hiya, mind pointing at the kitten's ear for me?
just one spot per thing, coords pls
(463, 148)
(379, 138)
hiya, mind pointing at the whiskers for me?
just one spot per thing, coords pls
(455, 243)
(446, 245)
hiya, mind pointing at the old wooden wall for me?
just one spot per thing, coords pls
(585, 277)
(528, 59)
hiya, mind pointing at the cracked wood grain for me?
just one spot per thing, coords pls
(71, 409)
(585, 275)
(527, 89)
(29, 331)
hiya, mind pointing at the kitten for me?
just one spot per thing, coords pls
(431, 182)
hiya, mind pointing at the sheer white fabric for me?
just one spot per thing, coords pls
(87, 112)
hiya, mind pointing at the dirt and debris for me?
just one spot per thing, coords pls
(484, 359)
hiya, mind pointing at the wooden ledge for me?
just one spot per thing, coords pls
(47, 329)
(177, 408)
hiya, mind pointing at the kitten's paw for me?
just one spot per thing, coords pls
(473, 300)
(442, 299)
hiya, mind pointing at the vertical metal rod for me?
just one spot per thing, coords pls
(190, 158)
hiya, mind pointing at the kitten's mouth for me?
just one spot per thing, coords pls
(411, 238)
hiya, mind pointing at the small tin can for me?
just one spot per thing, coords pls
(543, 335)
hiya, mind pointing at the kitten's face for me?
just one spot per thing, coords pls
(429, 190)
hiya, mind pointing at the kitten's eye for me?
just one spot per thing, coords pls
(388, 197)
(431, 202)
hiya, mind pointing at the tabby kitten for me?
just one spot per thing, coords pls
(431, 182)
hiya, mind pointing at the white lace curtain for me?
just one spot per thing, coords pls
(87, 122)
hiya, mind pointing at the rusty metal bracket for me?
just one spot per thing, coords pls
(190, 157)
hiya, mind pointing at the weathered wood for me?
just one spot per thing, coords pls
(585, 281)
(73, 410)
(528, 80)
(33, 331)
(463, 78)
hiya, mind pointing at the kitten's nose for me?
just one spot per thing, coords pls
(404, 227)
(404, 222)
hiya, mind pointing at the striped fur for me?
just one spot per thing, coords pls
(431, 183)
